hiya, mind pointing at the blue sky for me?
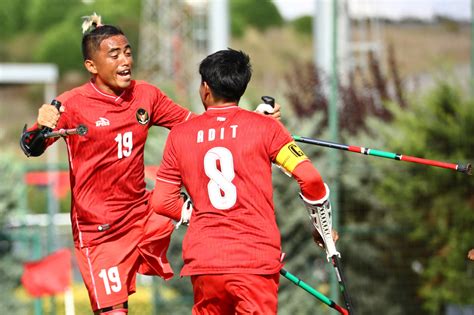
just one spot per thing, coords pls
(395, 9)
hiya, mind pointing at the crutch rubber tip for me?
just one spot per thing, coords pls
(467, 169)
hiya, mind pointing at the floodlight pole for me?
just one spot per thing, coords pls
(219, 25)
(325, 33)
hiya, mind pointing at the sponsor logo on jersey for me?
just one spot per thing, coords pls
(102, 122)
(142, 116)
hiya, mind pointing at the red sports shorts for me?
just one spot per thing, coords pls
(235, 294)
(109, 269)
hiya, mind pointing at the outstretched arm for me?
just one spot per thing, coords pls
(167, 200)
(313, 190)
(32, 142)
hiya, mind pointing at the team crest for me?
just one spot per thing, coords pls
(142, 116)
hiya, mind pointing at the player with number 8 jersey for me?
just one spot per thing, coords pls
(228, 176)
(224, 159)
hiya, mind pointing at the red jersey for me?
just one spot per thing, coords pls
(107, 164)
(224, 160)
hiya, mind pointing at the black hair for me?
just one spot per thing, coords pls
(91, 40)
(227, 73)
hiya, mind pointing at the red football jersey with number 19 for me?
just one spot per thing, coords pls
(224, 159)
(106, 164)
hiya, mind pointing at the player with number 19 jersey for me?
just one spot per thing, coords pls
(106, 164)
(224, 159)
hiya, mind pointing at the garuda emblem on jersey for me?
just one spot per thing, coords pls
(142, 116)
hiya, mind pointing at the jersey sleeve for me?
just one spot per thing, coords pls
(169, 171)
(167, 113)
(287, 154)
(279, 137)
(35, 129)
(310, 181)
(166, 200)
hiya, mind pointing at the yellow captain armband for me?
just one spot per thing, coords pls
(289, 157)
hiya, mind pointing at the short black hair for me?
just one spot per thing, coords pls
(227, 73)
(91, 40)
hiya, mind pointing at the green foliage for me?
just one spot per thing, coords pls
(10, 269)
(303, 25)
(61, 45)
(13, 17)
(435, 205)
(10, 186)
(10, 273)
(52, 29)
(258, 14)
(126, 16)
(405, 228)
(43, 15)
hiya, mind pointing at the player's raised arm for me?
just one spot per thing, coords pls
(33, 142)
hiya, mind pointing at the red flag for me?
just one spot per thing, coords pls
(48, 276)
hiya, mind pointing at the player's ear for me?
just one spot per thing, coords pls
(206, 93)
(90, 66)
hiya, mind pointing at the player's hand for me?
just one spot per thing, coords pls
(267, 109)
(318, 239)
(470, 255)
(48, 116)
(186, 210)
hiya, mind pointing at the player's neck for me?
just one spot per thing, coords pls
(221, 104)
(106, 88)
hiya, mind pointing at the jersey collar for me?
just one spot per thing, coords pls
(222, 108)
(110, 97)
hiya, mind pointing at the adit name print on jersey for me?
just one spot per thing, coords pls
(217, 133)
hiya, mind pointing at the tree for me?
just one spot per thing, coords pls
(43, 15)
(61, 42)
(258, 14)
(13, 18)
(434, 205)
(303, 25)
(10, 267)
(378, 265)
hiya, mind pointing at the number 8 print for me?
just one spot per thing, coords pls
(220, 180)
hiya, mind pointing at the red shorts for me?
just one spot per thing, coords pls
(109, 269)
(235, 294)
